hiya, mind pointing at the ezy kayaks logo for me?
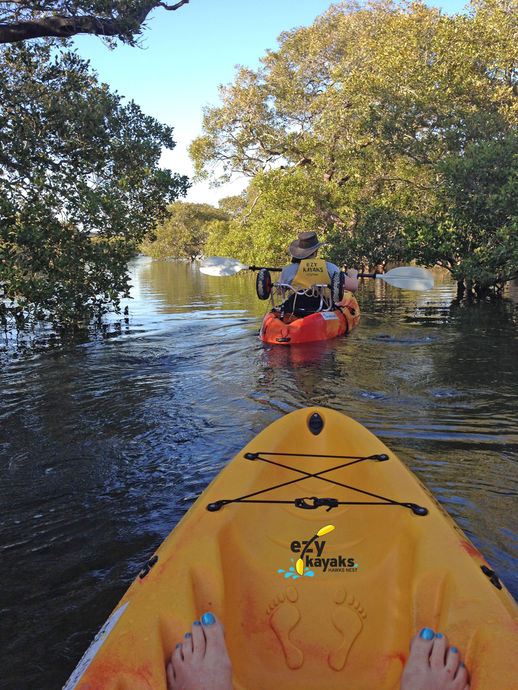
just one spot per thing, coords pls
(311, 557)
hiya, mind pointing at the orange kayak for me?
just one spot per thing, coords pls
(287, 329)
(322, 554)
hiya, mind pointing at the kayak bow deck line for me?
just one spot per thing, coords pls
(322, 554)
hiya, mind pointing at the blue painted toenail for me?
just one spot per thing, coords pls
(454, 650)
(439, 635)
(208, 619)
(187, 634)
(461, 664)
(426, 634)
(197, 623)
(178, 645)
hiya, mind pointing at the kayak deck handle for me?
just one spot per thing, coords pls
(315, 502)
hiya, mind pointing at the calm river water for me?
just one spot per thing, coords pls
(106, 441)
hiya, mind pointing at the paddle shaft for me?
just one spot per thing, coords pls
(405, 277)
(360, 275)
(260, 268)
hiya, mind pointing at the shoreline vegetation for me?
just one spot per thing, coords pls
(391, 129)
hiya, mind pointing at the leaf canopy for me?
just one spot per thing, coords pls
(366, 110)
(80, 185)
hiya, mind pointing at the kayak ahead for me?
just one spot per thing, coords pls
(286, 329)
(323, 555)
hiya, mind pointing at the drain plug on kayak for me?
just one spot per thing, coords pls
(316, 423)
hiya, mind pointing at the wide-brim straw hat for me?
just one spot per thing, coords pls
(306, 244)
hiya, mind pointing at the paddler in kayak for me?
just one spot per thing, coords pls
(201, 661)
(306, 270)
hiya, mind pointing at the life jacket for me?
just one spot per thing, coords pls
(309, 272)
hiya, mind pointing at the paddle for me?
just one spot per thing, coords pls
(404, 277)
(221, 266)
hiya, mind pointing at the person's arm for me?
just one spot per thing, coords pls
(351, 277)
(351, 280)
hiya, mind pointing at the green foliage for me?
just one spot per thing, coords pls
(183, 233)
(234, 206)
(279, 206)
(375, 239)
(473, 228)
(75, 163)
(352, 126)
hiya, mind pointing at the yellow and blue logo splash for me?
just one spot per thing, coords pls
(299, 570)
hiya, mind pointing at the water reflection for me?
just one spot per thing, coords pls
(184, 288)
(107, 439)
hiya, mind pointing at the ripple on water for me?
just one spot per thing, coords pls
(107, 440)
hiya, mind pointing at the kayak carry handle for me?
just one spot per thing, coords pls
(147, 566)
(493, 577)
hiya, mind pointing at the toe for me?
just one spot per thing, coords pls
(422, 645)
(198, 640)
(452, 661)
(187, 645)
(170, 676)
(438, 653)
(177, 657)
(214, 634)
(461, 678)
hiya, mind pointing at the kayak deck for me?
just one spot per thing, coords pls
(393, 563)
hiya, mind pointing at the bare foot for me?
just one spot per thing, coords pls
(201, 660)
(432, 665)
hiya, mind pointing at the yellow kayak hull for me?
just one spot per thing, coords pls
(303, 611)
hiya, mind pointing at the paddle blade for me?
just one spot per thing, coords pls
(221, 266)
(408, 278)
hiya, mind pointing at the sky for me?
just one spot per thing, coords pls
(188, 53)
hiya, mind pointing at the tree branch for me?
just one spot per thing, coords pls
(64, 27)
(245, 218)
